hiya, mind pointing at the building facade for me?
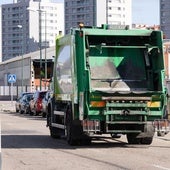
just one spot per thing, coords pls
(97, 12)
(28, 26)
(164, 17)
(27, 72)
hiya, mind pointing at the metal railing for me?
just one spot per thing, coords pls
(15, 90)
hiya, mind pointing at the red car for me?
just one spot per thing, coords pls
(36, 103)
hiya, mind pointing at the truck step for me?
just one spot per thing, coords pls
(60, 126)
(59, 113)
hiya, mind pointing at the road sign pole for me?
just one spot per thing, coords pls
(12, 93)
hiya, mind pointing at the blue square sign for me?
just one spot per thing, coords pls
(12, 78)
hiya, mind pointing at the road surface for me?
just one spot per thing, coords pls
(26, 145)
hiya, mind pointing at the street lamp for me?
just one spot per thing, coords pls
(20, 27)
(40, 42)
(45, 48)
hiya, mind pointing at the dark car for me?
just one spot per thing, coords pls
(35, 104)
(45, 103)
(24, 106)
(18, 101)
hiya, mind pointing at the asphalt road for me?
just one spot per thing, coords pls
(26, 145)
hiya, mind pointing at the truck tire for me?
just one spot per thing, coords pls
(74, 133)
(69, 127)
(147, 140)
(132, 138)
(70, 139)
(53, 132)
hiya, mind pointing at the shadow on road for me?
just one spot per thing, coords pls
(39, 117)
(44, 141)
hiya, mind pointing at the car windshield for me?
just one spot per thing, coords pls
(28, 97)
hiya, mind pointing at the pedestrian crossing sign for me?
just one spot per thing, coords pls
(12, 78)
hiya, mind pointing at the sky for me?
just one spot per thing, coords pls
(143, 11)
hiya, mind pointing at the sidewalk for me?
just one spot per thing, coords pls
(7, 106)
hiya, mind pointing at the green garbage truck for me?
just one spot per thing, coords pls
(108, 80)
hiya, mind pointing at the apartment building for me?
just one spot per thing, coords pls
(97, 12)
(28, 26)
(164, 17)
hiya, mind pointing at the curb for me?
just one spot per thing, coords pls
(7, 107)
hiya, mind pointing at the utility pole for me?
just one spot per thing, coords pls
(22, 66)
(40, 44)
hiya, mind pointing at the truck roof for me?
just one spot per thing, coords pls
(117, 30)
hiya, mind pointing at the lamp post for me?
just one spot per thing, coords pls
(20, 27)
(40, 41)
(40, 45)
(45, 48)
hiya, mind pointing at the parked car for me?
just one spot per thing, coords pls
(18, 101)
(24, 106)
(35, 104)
(45, 103)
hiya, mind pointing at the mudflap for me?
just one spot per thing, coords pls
(162, 126)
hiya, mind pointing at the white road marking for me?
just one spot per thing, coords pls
(161, 167)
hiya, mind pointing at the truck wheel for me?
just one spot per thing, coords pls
(147, 140)
(70, 139)
(69, 127)
(132, 138)
(53, 132)
(86, 141)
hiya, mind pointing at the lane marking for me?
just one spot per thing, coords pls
(161, 167)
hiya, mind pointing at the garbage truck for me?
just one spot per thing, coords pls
(108, 80)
